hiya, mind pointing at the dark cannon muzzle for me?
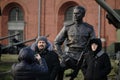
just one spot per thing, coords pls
(112, 16)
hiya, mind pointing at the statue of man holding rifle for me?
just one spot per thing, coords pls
(76, 36)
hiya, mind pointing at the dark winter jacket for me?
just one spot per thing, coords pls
(51, 58)
(27, 68)
(97, 64)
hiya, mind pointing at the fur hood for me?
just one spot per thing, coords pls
(98, 42)
(26, 55)
(49, 46)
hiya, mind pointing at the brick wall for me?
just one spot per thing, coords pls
(52, 17)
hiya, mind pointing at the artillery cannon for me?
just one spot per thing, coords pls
(14, 40)
(2, 38)
(15, 47)
(114, 18)
(112, 15)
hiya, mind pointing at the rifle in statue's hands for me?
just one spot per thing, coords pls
(83, 52)
(81, 56)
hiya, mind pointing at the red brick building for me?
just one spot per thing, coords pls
(23, 16)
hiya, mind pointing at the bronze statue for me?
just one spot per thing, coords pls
(76, 36)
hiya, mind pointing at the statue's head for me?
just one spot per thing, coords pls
(78, 13)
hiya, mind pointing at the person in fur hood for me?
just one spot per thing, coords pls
(97, 63)
(43, 49)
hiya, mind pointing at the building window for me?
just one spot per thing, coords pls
(69, 14)
(16, 23)
(16, 14)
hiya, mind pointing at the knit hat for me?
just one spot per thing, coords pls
(96, 41)
(42, 38)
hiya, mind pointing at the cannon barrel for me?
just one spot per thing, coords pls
(2, 38)
(15, 44)
(113, 16)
